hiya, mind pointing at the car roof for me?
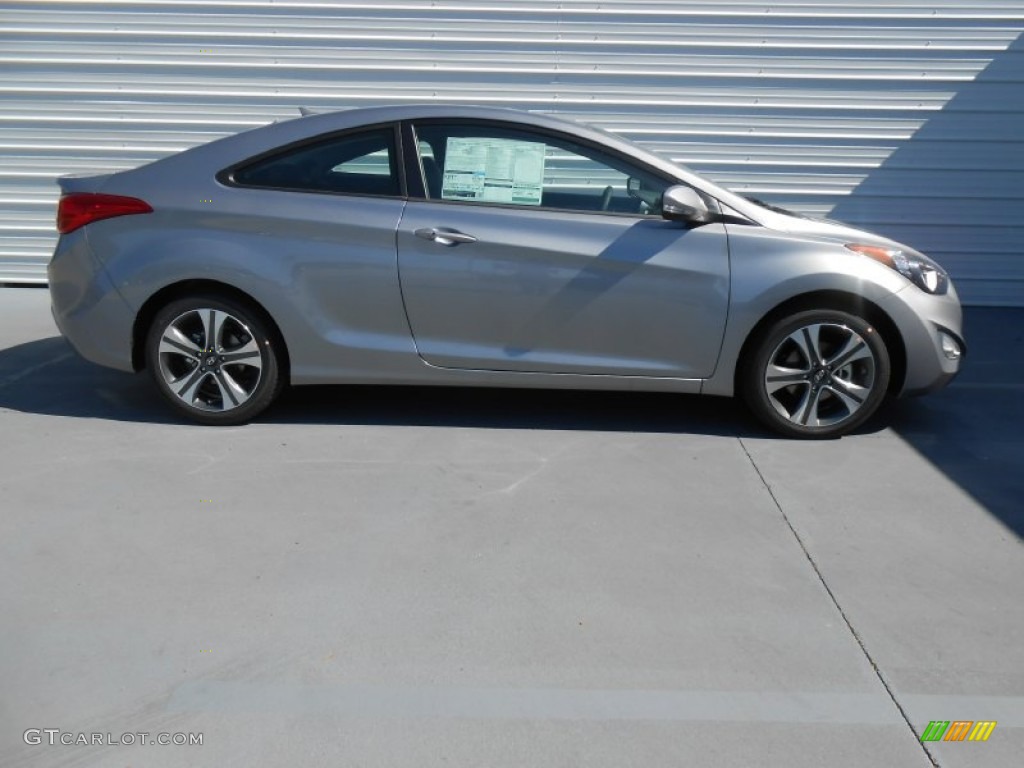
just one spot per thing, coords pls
(200, 160)
(242, 146)
(316, 123)
(371, 115)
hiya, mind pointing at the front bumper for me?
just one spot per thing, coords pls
(922, 319)
(87, 307)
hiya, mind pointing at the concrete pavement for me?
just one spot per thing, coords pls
(410, 577)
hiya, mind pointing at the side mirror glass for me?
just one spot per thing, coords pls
(681, 203)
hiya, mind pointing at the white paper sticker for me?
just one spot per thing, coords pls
(493, 170)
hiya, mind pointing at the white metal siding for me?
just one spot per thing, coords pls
(904, 116)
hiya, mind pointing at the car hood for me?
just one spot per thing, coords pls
(782, 220)
(825, 230)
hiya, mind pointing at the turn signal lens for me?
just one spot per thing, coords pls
(916, 267)
(81, 208)
(885, 255)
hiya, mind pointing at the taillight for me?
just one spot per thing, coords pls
(81, 208)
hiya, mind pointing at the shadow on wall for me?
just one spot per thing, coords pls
(954, 190)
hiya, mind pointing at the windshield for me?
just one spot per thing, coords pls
(661, 154)
(774, 208)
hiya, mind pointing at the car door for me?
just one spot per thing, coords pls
(529, 251)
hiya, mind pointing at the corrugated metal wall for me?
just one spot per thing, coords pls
(906, 116)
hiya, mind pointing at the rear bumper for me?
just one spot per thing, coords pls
(86, 306)
(923, 320)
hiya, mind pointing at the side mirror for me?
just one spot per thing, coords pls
(683, 204)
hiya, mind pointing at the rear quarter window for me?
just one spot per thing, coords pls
(362, 163)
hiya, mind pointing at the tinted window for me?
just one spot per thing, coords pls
(510, 166)
(357, 163)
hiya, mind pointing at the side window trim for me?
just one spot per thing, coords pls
(226, 176)
(412, 165)
(415, 164)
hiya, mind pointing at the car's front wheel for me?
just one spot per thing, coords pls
(214, 359)
(819, 373)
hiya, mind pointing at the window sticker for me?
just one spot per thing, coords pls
(493, 171)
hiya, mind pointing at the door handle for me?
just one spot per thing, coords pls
(444, 236)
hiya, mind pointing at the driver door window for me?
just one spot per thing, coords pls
(506, 166)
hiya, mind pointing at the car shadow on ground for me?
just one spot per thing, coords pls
(47, 377)
(973, 431)
(495, 408)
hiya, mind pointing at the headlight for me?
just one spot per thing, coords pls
(916, 267)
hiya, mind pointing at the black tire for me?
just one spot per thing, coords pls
(830, 372)
(227, 379)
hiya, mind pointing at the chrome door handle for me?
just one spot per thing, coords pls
(444, 236)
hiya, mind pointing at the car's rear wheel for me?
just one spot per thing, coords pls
(819, 373)
(214, 359)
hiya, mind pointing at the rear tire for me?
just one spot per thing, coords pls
(214, 359)
(816, 374)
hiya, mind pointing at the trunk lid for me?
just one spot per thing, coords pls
(82, 183)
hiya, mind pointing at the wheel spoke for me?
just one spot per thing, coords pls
(213, 327)
(809, 407)
(229, 389)
(175, 342)
(248, 354)
(854, 349)
(193, 381)
(779, 377)
(851, 395)
(780, 403)
(801, 341)
(812, 340)
(206, 318)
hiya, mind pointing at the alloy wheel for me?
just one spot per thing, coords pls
(820, 375)
(210, 360)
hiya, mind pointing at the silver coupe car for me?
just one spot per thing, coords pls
(474, 246)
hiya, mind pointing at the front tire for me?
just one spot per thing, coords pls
(816, 374)
(213, 359)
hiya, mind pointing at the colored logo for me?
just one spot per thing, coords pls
(958, 730)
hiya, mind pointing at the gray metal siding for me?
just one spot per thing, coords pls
(901, 116)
